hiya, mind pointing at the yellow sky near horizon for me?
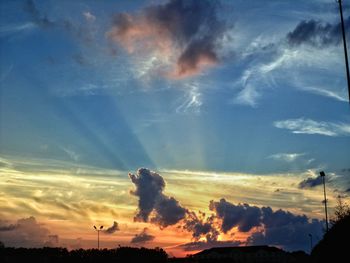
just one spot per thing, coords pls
(68, 199)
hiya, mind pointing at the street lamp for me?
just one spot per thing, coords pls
(310, 235)
(323, 175)
(98, 235)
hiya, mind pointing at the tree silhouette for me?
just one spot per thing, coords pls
(335, 243)
(341, 210)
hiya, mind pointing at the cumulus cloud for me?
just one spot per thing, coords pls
(242, 215)
(316, 33)
(310, 182)
(200, 225)
(142, 238)
(205, 232)
(201, 245)
(149, 189)
(26, 232)
(185, 34)
(265, 226)
(280, 228)
(5, 227)
(308, 126)
(112, 229)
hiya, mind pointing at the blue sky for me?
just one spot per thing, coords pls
(265, 91)
(65, 94)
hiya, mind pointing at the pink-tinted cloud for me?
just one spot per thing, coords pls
(184, 35)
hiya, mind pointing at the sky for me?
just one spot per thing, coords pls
(172, 123)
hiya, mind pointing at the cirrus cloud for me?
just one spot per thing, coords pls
(308, 126)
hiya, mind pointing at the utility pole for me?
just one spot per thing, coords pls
(323, 175)
(345, 48)
(310, 235)
(98, 236)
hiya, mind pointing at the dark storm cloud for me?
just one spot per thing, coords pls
(242, 215)
(143, 237)
(200, 225)
(291, 232)
(168, 211)
(280, 228)
(149, 189)
(310, 182)
(272, 219)
(268, 227)
(317, 33)
(5, 227)
(188, 30)
(201, 245)
(112, 229)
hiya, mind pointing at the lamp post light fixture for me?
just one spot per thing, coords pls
(323, 175)
(98, 235)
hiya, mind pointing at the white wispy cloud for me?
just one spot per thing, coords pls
(287, 157)
(192, 100)
(89, 17)
(17, 28)
(313, 70)
(308, 126)
(72, 154)
(247, 96)
(262, 74)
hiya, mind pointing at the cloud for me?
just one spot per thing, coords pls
(26, 232)
(5, 227)
(310, 182)
(82, 31)
(149, 189)
(242, 215)
(247, 96)
(308, 126)
(142, 238)
(38, 18)
(72, 154)
(307, 54)
(316, 33)
(89, 17)
(287, 157)
(280, 228)
(18, 28)
(112, 229)
(201, 245)
(184, 34)
(192, 100)
(200, 226)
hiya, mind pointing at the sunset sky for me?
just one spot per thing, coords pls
(172, 123)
